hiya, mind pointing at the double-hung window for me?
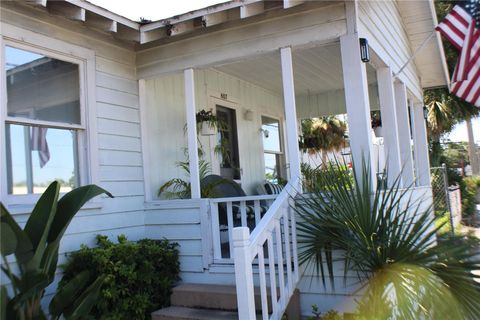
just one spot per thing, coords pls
(43, 121)
(272, 149)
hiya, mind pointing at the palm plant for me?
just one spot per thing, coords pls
(389, 241)
(36, 253)
(178, 188)
(327, 132)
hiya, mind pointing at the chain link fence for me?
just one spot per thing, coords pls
(439, 179)
(440, 191)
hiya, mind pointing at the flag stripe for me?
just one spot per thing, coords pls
(460, 28)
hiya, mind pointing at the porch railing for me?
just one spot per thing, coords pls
(274, 240)
(228, 213)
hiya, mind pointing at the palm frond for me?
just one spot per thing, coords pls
(388, 239)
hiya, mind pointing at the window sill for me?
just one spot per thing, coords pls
(19, 209)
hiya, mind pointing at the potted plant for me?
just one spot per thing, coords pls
(377, 123)
(207, 122)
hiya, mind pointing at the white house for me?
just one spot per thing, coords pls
(119, 101)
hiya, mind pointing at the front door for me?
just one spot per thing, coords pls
(227, 148)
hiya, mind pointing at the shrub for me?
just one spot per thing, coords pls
(139, 275)
(468, 188)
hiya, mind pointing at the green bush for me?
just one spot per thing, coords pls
(139, 275)
(468, 188)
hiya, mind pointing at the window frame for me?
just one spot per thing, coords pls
(280, 155)
(87, 149)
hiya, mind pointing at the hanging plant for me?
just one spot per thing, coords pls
(207, 122)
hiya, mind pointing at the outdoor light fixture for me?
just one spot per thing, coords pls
(248, 115)
(425, 112)
(364, 53)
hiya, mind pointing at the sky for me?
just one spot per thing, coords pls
(153, 9)
(459, 133)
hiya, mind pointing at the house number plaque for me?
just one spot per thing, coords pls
(223, 96)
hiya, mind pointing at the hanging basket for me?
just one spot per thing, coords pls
(208, 129)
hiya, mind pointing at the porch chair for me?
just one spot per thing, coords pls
(268, 187)
(219, 187)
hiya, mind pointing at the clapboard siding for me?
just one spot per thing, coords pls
(118, 129)
(181, 225)
(120, 158)
(115, 112)
(118, 143)
(121, 128)
(381, 23)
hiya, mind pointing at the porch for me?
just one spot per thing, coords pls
(250, 240)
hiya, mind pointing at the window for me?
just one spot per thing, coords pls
(43, 120)
(272, 148)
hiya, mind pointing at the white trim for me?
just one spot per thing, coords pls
(87, 137)
(189, 79)
(389, 123)
(358, 104)
(142, 99)
(404, 138)
(290, 113)
(3, 113)
(105, 13)
(42, 123)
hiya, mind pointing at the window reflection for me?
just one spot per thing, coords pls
(41, 87)
(37, 156)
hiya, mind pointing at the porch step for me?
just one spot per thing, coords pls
(208, 296)
(212, 301)
(184, 313)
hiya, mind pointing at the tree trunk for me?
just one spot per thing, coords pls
(472, 150)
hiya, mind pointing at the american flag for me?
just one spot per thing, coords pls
(462, 28)
(39, 143)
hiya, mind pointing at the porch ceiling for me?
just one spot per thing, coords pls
(316, 70)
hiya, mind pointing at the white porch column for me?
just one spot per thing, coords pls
(358, 105)
(290, 113)
(192, 133)
(389, 122)
(404, 137)
(420, 145)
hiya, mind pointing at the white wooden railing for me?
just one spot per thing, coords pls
(235, 212)
(274, 240)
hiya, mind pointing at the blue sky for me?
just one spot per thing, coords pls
(459, 133)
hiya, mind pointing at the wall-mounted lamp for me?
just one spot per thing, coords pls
(248, 115)
(364, 51)
(265, 132)
(425, 112)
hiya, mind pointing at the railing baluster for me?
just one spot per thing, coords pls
(278, 240)
(273, 282)
(246, 247)
(258, 216)
(263, 283)
(243, 213)
(294, 242)
(217, 250)
(230, 228)
(288, 255)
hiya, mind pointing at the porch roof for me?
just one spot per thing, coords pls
(418, 17)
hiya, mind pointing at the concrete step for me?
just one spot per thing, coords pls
(207, 296)
(212, 301)
(184, 313)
